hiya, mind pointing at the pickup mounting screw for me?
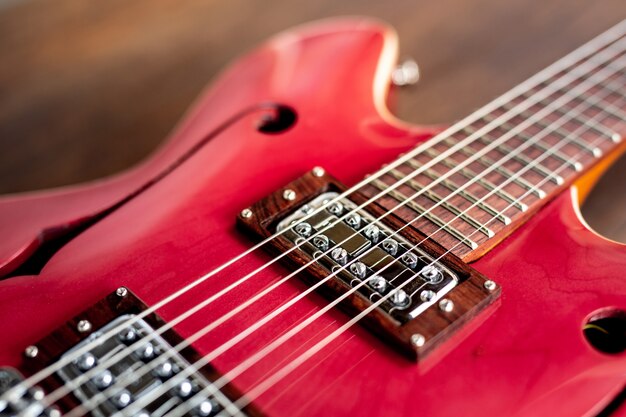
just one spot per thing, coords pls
(121, 292)
(489, 285)
(418, 340)
(318, 172)
(446, 305)
(246, 213)
(31, 351)
(83, 326)
(289, 194)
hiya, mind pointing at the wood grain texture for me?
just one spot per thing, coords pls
(90, 88)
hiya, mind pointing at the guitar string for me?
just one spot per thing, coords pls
(564, 142)
(560, 63)
(222, 348)
(259, 391)
(251, 361)
(189, 342)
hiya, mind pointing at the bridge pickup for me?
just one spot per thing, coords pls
(366, 255)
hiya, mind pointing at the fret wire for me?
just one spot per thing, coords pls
(465, 194)
(595, 151)
(577, 166)
(470, 175)
(502, 170)
(521, 158)
(436, 198)
(424, 212)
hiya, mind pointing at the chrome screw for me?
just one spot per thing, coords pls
(390, 246)
(32, 351)
(427, 295)
(378, 283)
(246, 213)
(400, 299)
(121, 292)
(318, 172)
(83, 326)
(340, 255)
(336, 208)
(303, 229)
(418, 340)
(289, 195)
(489, 285)
(358, 269)
(446, 305)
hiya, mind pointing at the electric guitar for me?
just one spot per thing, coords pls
(295, 250)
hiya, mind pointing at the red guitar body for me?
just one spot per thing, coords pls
(527, 358)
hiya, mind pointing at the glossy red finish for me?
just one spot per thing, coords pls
(529, 358)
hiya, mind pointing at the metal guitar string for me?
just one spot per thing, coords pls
(560, 63)
(260, 389)
(231, 342)
(216, 324)
(276, 343)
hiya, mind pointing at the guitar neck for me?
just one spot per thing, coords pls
(472, 185)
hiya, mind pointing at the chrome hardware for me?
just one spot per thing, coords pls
(19, 400)
(409, 259)
(406, 73)
(390, 246)
(418, 340)
(431, 274)
(103, 380)
(86, 362)
(127, 336)
(135, 386)
(318, 172)
(370, 249)
(427, 295)
(335, 208)
(83, 326)
(289, 195)
(303, 229)
(31, 351)
(146, 352)
(358, 269)
(354, 220)
(321, 242)
(246, 213)
(372, 232)
(340, 255)
(400, 299)
(489, 285)
(165, 370)
(378, 283)
(122, 399)
(121, 292)
(184, 389)
(446, 305)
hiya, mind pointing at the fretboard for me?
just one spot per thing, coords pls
(470, 186)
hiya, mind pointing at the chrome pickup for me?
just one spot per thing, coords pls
(371, 253)
(115, 362)
(416, 293)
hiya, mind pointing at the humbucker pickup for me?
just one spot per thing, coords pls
(423, 294)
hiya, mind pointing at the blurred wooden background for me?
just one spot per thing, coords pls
(88, 88)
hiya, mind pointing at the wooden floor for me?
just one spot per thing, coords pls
(88, 88)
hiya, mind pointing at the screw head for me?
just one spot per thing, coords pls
(121, 292)
(318, 172)
(246, 213)
(446, 305)
(83, 326)
(489, 285)
(31, 351)
(289, 194)
(418, 340)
